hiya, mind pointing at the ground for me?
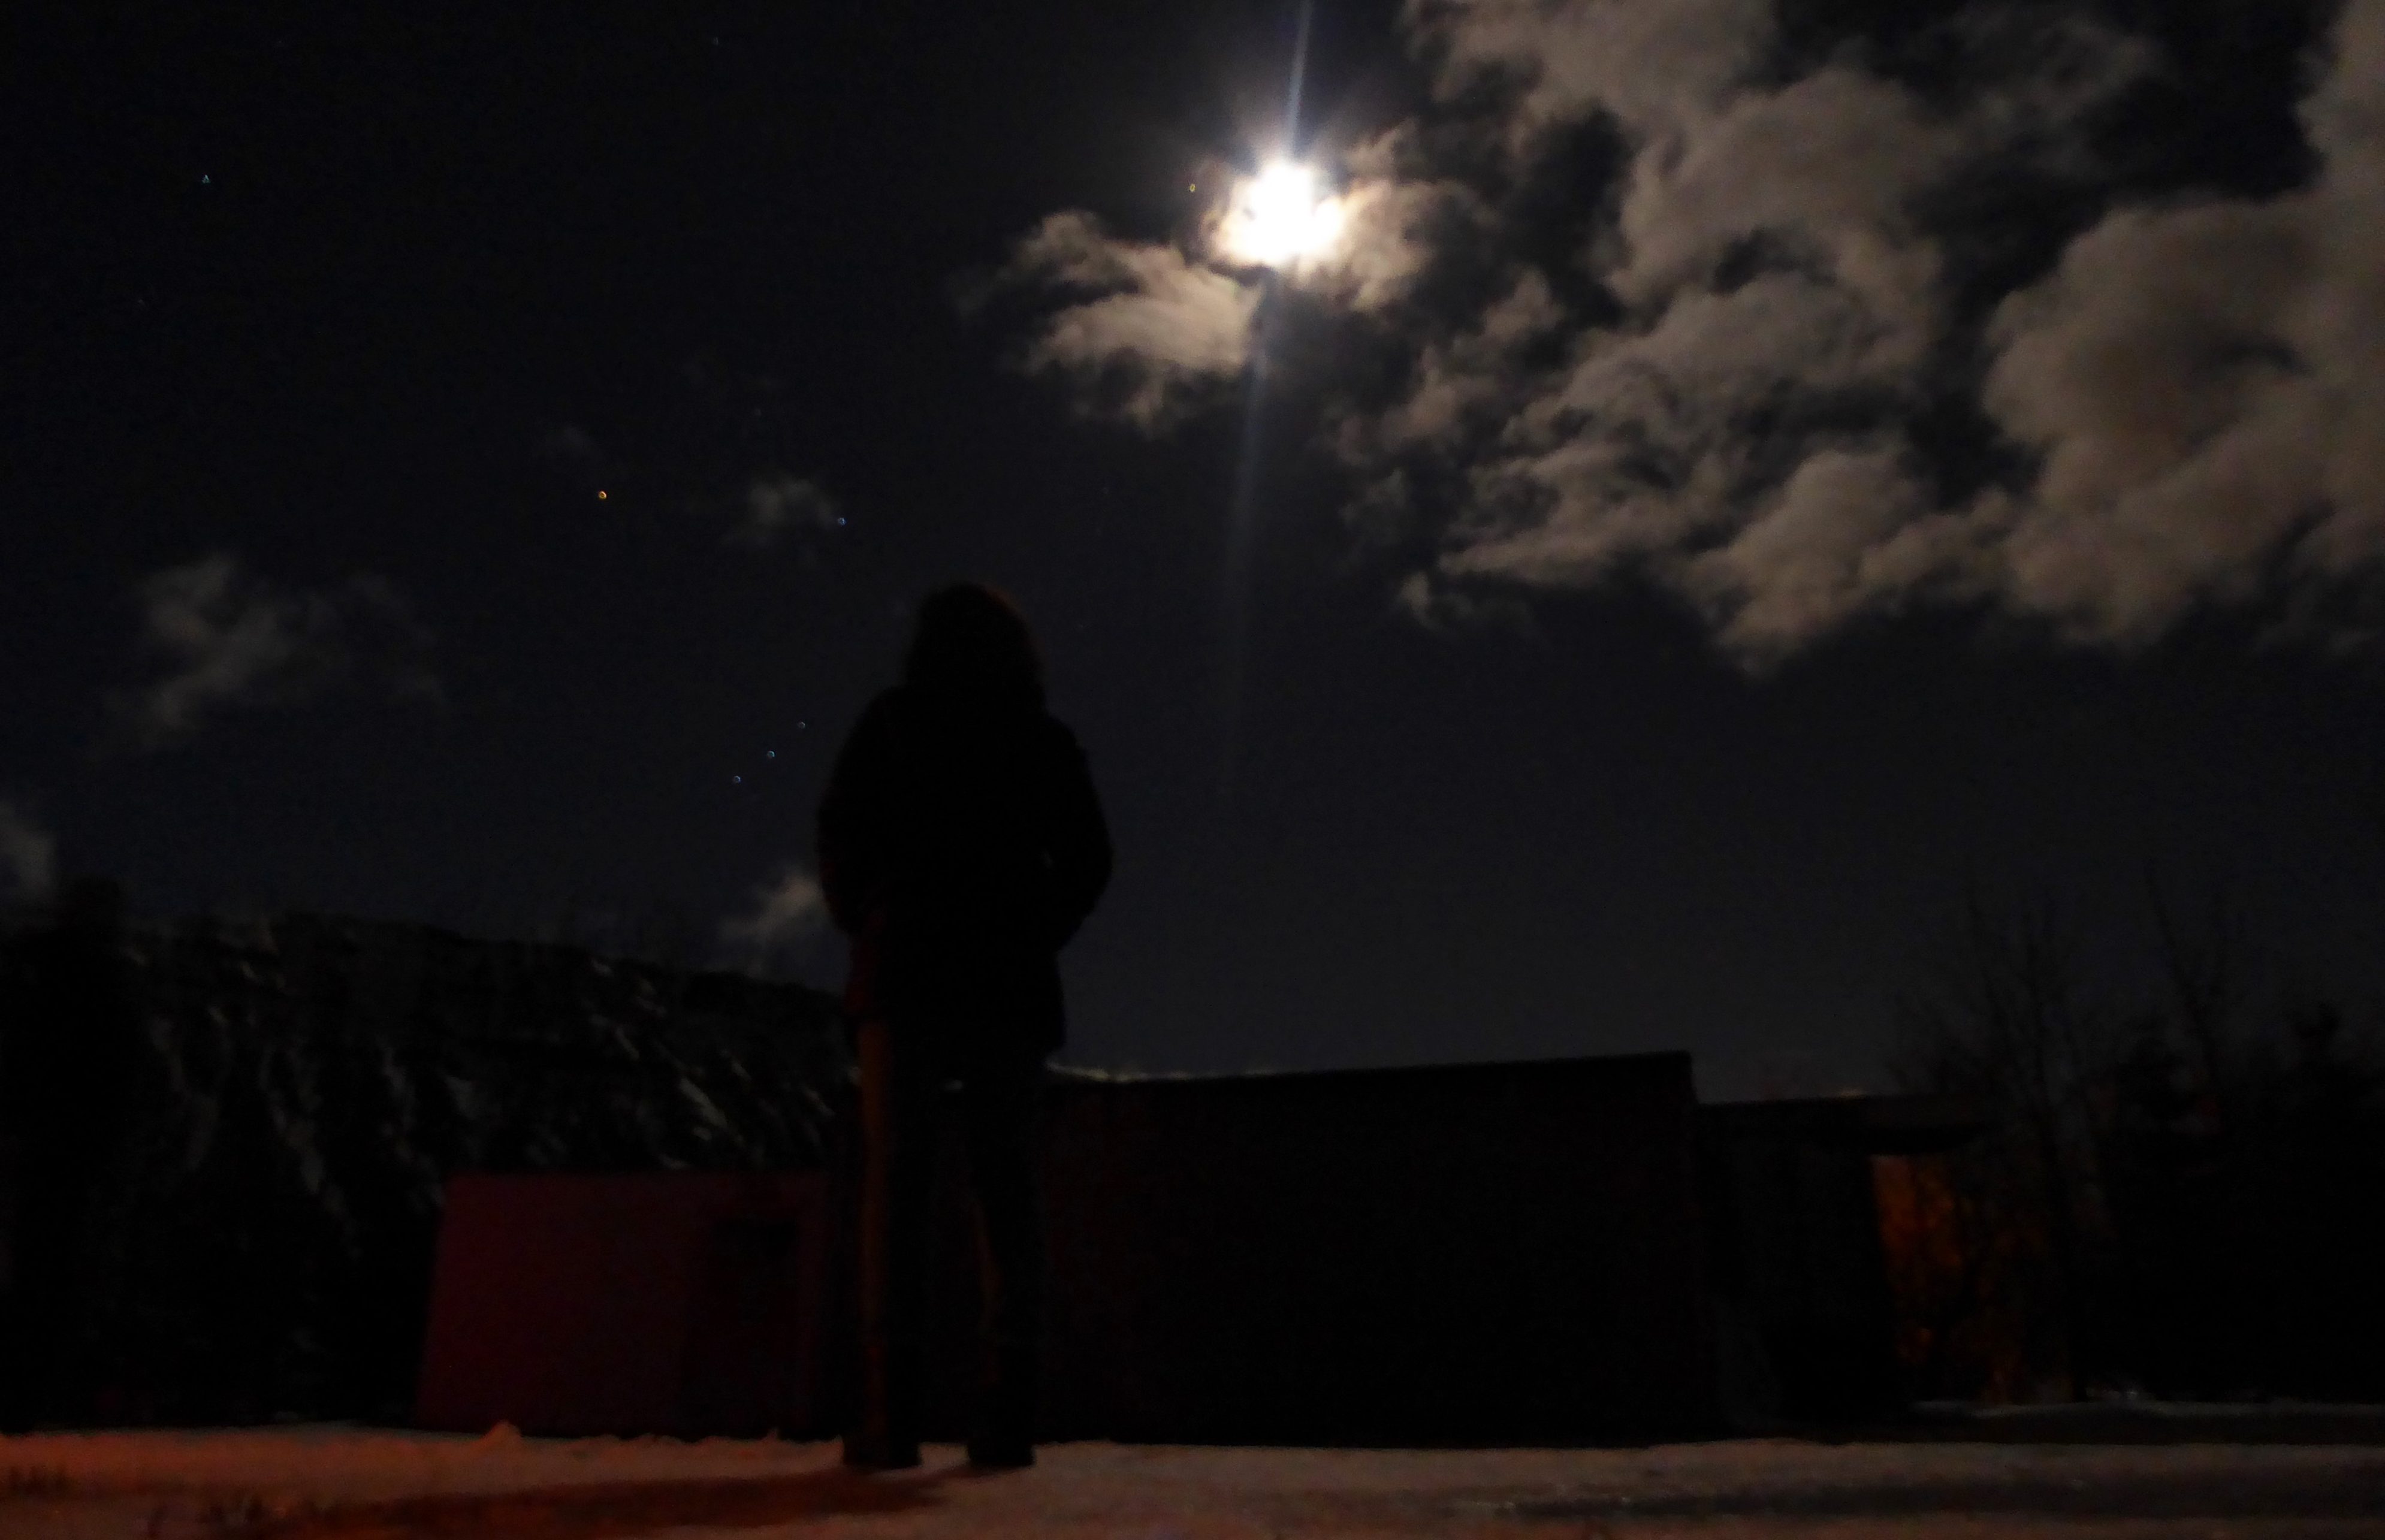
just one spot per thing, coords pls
(346, 1484)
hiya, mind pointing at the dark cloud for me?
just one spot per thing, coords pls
(572, 452)
(788, 913)
(779, 506)
(228, 639)
(28, 855)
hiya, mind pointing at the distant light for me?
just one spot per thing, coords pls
(770, 753)
(1279, 216)
(737, 780)
(839, 523)
(600, 496)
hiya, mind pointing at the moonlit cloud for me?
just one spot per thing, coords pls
(779, 505)
(1385, 232)
(227, 639)
(28, 857)
(1154, 334)
(788, 911)
(1711, 384)
(1734, 426)
(2199, 383)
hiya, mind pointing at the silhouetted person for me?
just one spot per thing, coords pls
(960, 846)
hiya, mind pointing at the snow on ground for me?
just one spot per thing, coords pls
(337, 1484)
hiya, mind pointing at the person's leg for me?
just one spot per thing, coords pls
(1003, 1105)
(897, 1164)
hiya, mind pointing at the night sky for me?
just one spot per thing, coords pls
(472, 465)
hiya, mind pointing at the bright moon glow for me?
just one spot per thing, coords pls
(1278, 219)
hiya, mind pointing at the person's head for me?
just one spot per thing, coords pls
(972, 641)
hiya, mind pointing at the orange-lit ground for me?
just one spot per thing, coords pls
(321, 1483)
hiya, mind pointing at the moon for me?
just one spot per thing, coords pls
(1280, 219)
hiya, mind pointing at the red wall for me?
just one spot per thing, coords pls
(670, 1302)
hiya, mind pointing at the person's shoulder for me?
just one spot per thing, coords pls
(1057, 737)
(890, 705)
(880, 724)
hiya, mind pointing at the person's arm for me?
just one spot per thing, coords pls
(1078, 840)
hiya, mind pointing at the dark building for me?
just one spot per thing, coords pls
(1499, 1253)
(229, 1187)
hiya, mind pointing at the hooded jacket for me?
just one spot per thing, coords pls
(960, 846)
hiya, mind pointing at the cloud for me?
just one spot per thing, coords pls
(788, 912)
(571, 452)
(1728, 419)
(1671, 296)
(1645, 64)
(228, 639)
(1158, 333)
(2182, 391)
(1388, 233)
(2198, 383)
(28, 855)
(778, 505)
